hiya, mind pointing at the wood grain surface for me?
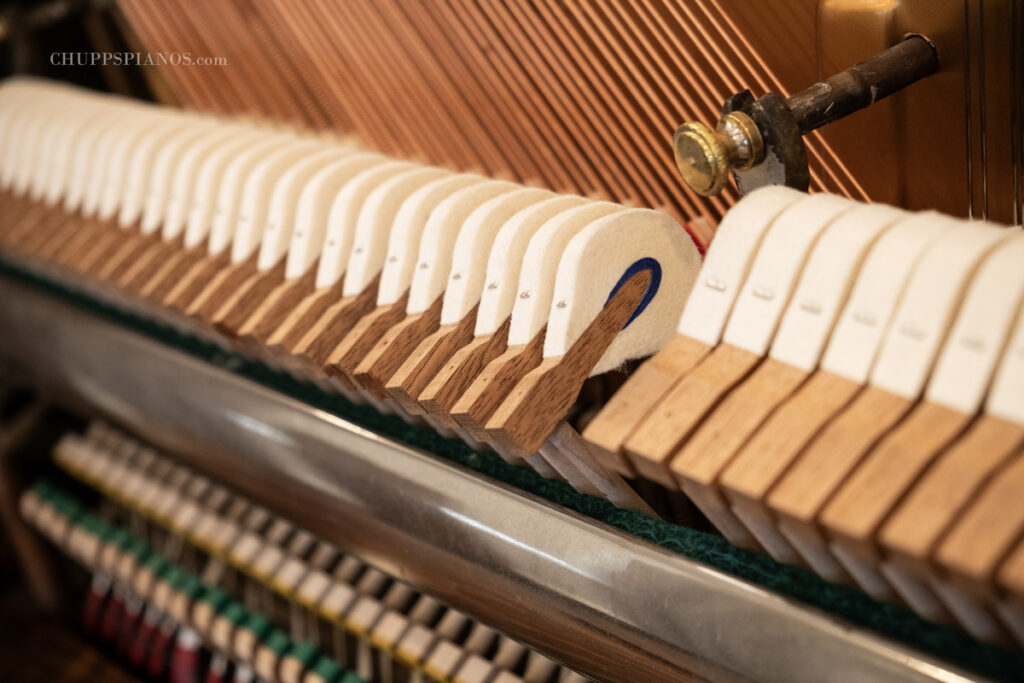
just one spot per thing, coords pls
(637, 398)
(543, 397)
(657, 438)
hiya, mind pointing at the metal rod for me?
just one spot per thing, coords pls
(864, 84)
(750, 128)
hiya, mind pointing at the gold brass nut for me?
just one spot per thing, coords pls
(744, 141)
(705, 156)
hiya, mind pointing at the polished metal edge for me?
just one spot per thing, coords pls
(600, 601)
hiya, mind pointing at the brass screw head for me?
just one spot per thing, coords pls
(705, 156)
(702, 158)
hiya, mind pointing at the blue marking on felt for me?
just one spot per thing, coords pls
(646, 263)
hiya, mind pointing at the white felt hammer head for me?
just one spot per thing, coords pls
(151, 187)
(506, 260)
(473, 247)
(57, 177)
(48, 129)
(250, 163)
(600, 259)
(135, 181)
(27, 122)
(183, 183)
(212, 176)
(536, 284)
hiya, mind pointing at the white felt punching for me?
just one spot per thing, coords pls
(231, 186)
(981, 330)
(473, 248)
(439, 234)
(929, 303)
(831, 270)
(258, 192)
(213, 177)
(540, 265)
(602, 256)
(314, 205)
(728, 260)
(404, 242)
(377, 220)
(505, 261)
(865, 318)
(776, 269)
(284, 199)
(343, 215)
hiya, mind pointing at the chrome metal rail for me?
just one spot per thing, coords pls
(605, 603)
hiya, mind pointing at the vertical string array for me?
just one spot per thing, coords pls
(575, 96)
